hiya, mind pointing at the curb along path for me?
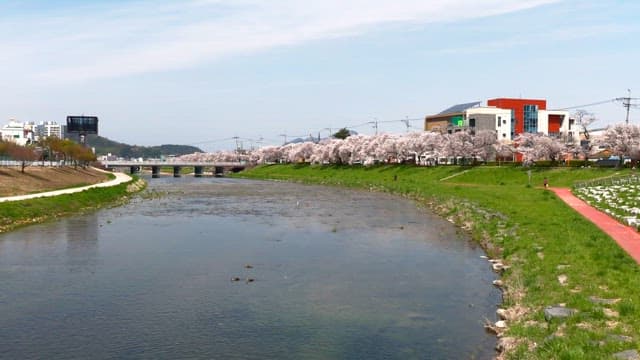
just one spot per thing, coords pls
(626, 237)
(120, 178)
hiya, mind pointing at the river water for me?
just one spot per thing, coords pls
(324, 273)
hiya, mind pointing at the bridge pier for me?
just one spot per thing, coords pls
(155, 172)
(218, 171)
(197, 171)
(176, 171)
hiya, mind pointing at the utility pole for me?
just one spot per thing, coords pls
(406, 122)
(237, 144)
(285, 138)
(237, 148)
(627, 104)
(375, 124)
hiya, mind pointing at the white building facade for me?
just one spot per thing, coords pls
(28, 133)
(19, 133)
(490, 118)
(50, 128)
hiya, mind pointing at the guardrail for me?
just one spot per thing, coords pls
(609, 181)
(15, 163)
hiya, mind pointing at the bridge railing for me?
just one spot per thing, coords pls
(170, 163)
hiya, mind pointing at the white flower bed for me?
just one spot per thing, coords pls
(621, 201)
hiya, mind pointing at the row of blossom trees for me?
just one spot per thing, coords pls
(427, 147)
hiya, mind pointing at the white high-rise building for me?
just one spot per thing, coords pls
(51, 128)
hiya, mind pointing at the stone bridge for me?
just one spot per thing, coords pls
(199, 167)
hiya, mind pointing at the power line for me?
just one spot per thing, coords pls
(587, 105)
(211, 141)
(626, 102)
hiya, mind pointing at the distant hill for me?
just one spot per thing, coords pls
(104, 146)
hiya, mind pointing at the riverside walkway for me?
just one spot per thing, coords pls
(120, 178)
(627, 237)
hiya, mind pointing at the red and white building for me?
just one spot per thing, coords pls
(508, 117)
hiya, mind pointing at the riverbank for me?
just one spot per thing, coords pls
(39, 179)
(21, 212)
(551, 254)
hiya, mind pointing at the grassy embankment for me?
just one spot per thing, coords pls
(15, 214)
(536, 234)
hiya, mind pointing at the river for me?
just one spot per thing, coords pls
(322, 273)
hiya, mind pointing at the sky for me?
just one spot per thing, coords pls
(202, 72)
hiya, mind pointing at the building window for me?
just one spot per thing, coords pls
(513, 123)
(504, 135)
(531, 118)
(472, 122)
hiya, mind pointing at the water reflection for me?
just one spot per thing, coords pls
(82, 242)
(338, 274)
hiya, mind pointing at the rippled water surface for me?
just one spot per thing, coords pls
(337, 274)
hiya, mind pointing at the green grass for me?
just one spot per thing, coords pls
(20, 213)
(81, 184)
(534, 232)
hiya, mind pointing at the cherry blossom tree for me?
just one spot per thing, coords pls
(483, 144)
(622, 139)
(525, 144)
(550, 148)
(504, 151)
(425, 147)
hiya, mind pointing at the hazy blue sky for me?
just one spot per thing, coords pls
(200, 71)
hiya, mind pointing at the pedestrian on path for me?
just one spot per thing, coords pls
(546, 182)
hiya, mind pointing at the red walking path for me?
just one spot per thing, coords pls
(627, 237)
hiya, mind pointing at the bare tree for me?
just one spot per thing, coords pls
(584, 119)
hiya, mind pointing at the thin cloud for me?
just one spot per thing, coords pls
(105, 41)
(565, 34)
